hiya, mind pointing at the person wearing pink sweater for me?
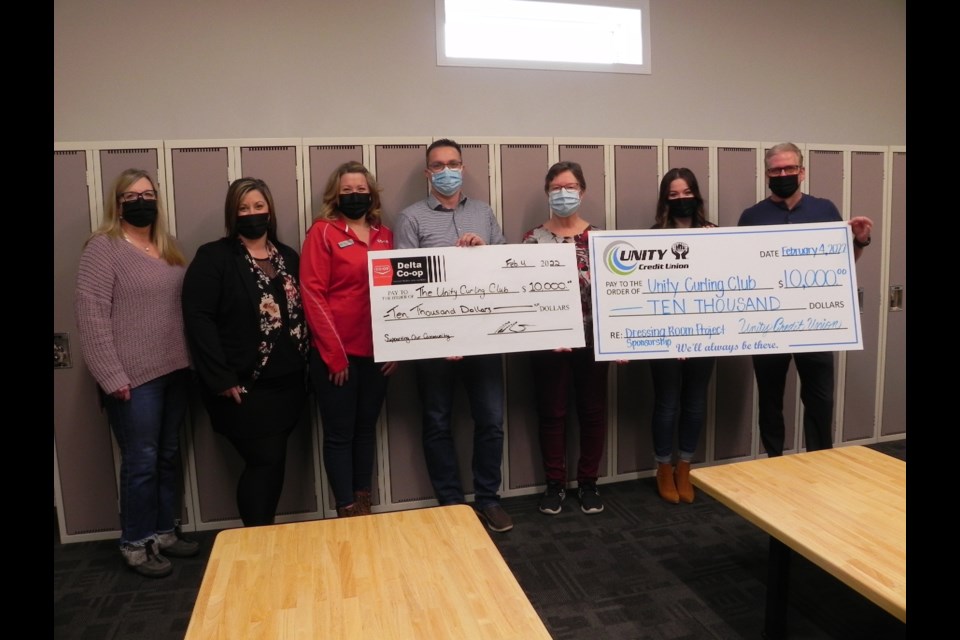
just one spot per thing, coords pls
(131, 338)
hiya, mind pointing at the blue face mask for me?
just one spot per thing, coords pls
(564, 202)
(447, 182)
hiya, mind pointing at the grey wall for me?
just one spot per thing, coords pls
(827, 71)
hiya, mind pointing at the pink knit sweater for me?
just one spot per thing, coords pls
(128, 314)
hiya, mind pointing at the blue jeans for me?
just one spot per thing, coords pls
(483, 380)
(349, 415)
(680, 391)
(147, 428)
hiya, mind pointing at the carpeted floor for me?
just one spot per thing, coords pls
(641, 569)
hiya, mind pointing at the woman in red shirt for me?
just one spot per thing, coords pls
(350, 386)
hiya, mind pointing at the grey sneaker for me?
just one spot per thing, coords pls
(146, 561)
(552, 500)
(173, 544)
(496, 518)
(590, 501)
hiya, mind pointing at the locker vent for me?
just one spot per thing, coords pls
(67, 153)
(338, 147)
(867, 153)
(267, 148)
(581, 146)
(201, 149)
(117, 152)
(825, 152)
(472, 146)
(900, 154)
(525, 146)
(95, 530)
(689, 148)
(426, 497)
(641, 147)
(402, 146)
(736, 149)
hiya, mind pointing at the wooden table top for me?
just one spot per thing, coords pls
(423, 573)
(844, 509)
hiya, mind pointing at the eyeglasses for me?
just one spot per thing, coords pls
(435, 167)
(133, 196)
(790, 170)
(568, 187)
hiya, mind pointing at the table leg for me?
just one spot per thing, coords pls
(778, 579)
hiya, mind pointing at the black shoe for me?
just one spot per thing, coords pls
(176, 545)
(590, 501)
(495, 518)
(552, 501)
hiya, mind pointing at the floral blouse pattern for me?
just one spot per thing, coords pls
(541, 235)
(271, 316)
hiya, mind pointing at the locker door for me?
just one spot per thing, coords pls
(860, 379)
(733, 376)
(636, 172)
(113, 162)
(593, 209)
(399, 169)
(476, 171)
(524, 205)
(522, 168)
(697, 159)
(198, 179)
(636, 184)
(824, 180)
(324, 160)
(86, 482)
(277, 166)
(895, 361)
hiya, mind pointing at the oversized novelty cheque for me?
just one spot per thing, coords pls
(461, 301)
(724, 291)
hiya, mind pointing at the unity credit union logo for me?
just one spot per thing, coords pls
(614, 258)
(415, 270)
(622, 258)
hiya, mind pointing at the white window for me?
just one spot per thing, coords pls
(530, 34)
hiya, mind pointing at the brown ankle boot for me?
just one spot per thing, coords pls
(349, 511)
(665, 483)
(684, 488)
(363, 501)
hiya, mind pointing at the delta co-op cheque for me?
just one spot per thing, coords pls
(724, 291)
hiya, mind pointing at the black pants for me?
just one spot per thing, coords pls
(258, 491)
(816, 393)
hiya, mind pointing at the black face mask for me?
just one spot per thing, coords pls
(355, 205)
(784, 186)
(682, 207)
(253, 226)
(139, 212)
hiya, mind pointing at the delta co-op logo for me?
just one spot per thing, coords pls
(623, 259)
(414, 270)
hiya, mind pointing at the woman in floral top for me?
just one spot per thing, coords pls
(555, 370)
(248, 339)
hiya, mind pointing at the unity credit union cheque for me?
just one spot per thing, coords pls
(724, 291)
(462, 301)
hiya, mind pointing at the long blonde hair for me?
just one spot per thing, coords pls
(159, 235)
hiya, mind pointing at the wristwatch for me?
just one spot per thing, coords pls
(861, 245)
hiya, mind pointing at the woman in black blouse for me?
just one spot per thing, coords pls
(248, 339)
